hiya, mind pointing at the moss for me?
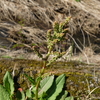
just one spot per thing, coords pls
(77, 78)
(5, 56)
(78, 85)
(18, 46)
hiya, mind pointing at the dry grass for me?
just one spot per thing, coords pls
(22, 10)
(32, 13)
(38, 14)
(89, 6)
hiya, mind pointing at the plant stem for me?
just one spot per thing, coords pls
(37, 88)
(38, 83)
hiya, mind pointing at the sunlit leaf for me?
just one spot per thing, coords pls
(4, 95)
(8, 83)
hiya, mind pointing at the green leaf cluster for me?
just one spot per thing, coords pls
(57, 34)
(55, 37)
(51, 88)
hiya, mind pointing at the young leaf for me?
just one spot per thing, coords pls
(56, 88)
(56, 27)
(45, 84)
(4, 95)
(8, 83)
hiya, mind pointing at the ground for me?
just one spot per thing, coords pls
(24, 23)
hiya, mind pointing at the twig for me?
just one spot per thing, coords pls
(80, 48)
(92, 91)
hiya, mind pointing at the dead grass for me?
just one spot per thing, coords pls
(32, 13)
(38, 14)
(22, 54)
(22, 10)
(89, 6)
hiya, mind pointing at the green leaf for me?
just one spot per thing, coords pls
(4, 95)
(56, 88)
(62, 95)
(78, 0)
(70, 98)
(30, 79)
(45, 84)
(38, 79)
(43, 96)
(20, 95)
(29, 94)
(8, 83)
